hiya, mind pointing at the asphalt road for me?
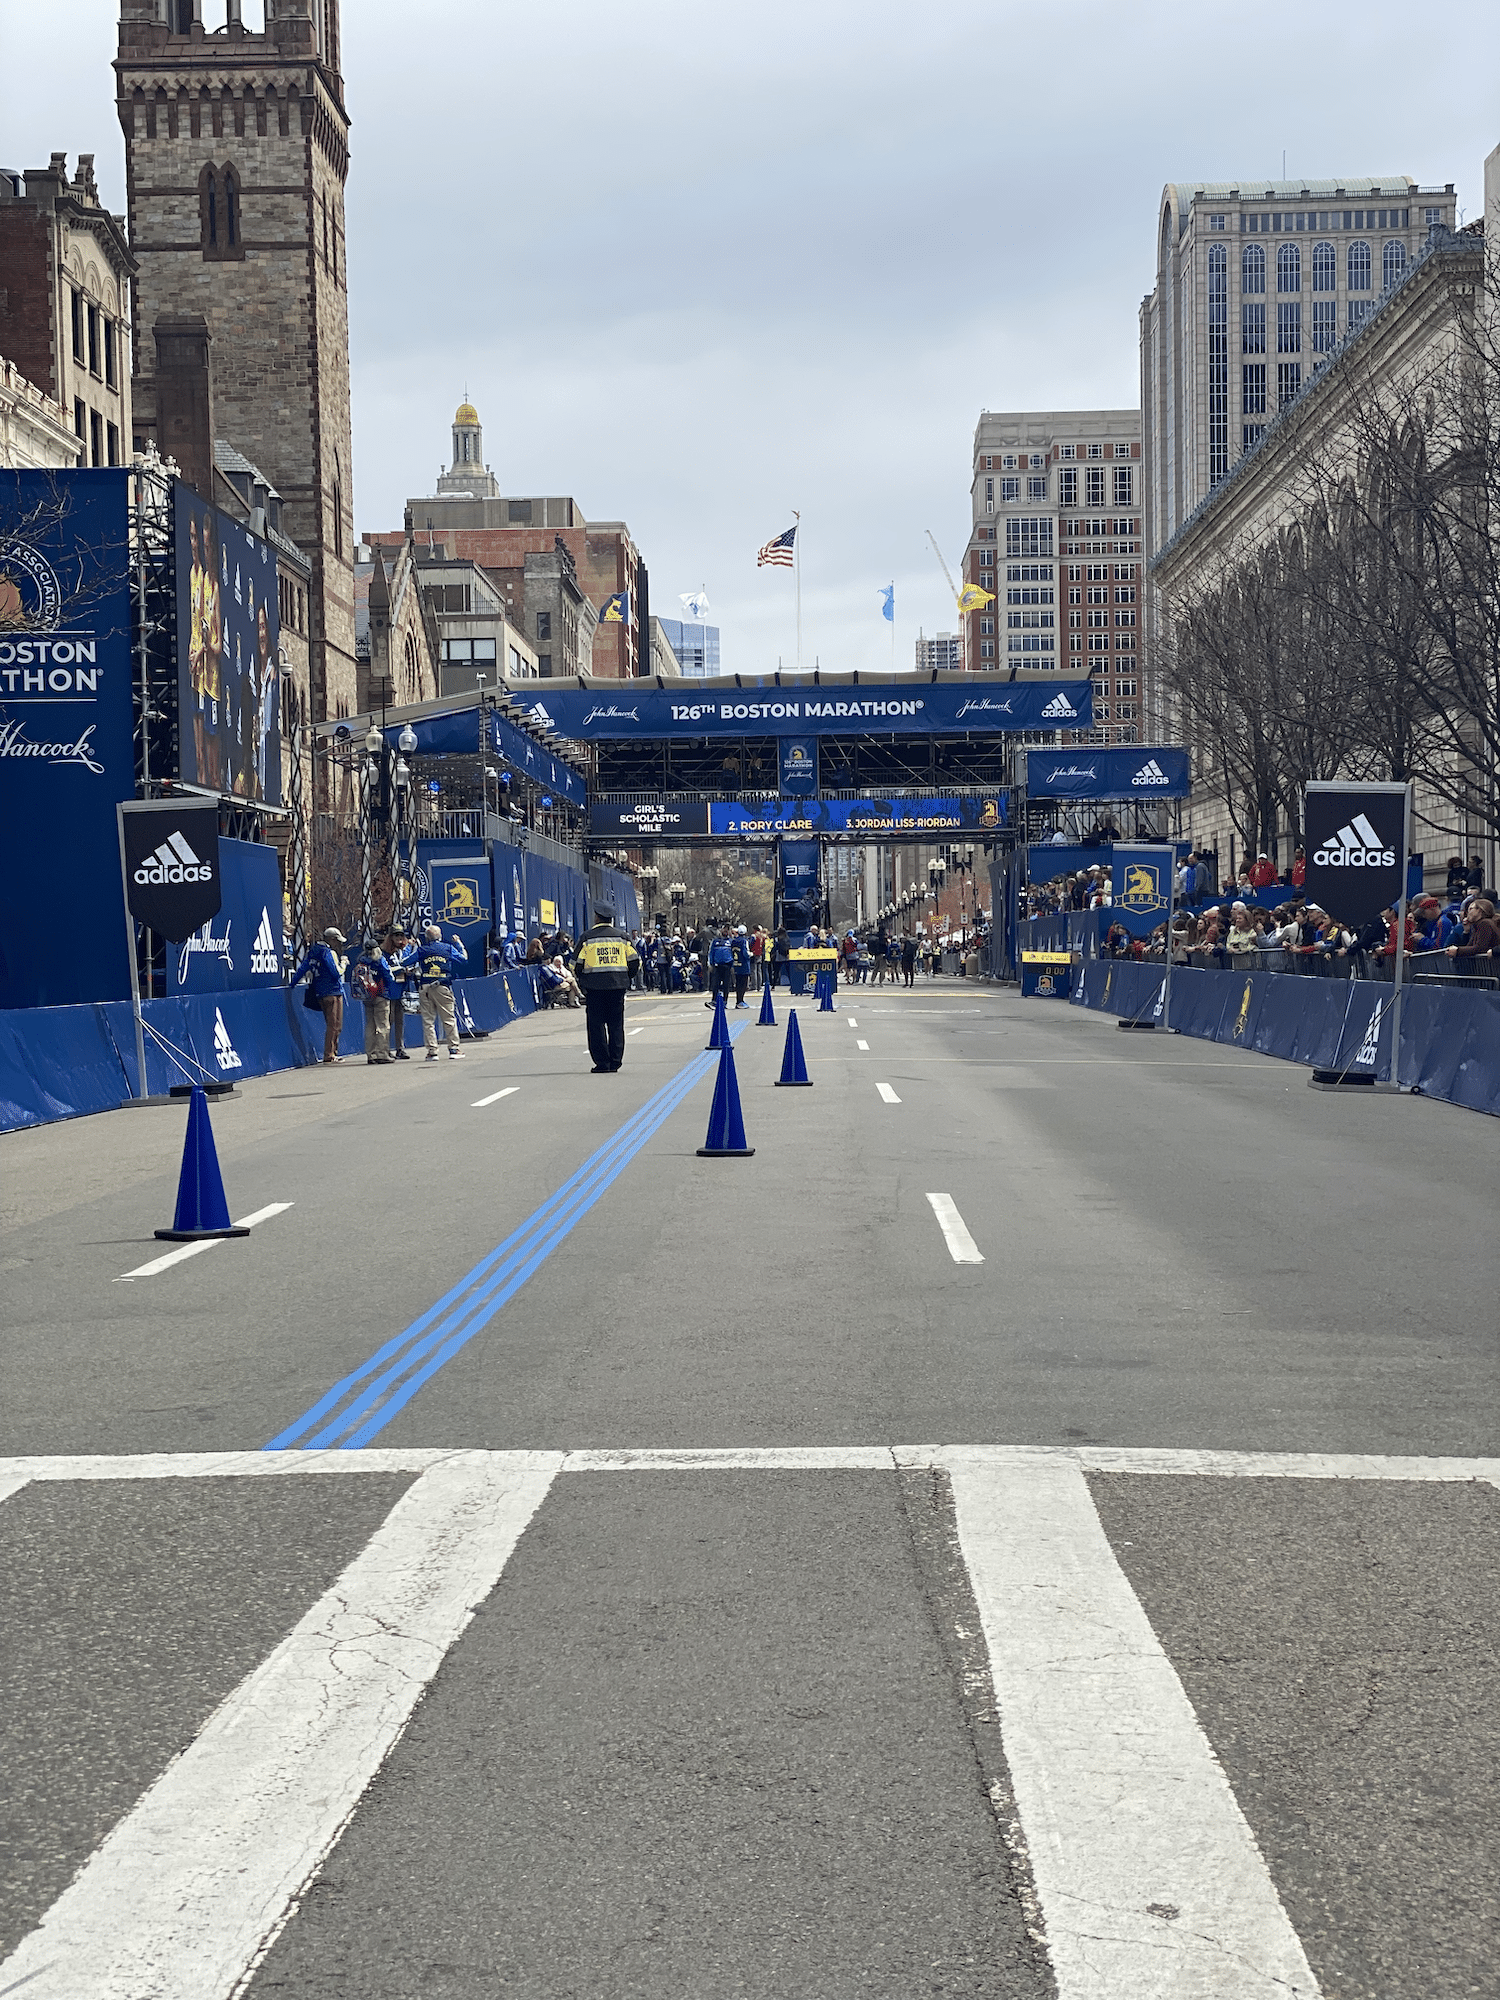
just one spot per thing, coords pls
(775, 1724)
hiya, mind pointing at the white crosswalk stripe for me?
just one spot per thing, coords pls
(1150, 1882)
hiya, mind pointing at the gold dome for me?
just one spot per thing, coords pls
(466, 414)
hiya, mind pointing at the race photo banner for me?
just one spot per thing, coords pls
(800, 898)
(919, 708)
(67, 752)
(1149, 773)
(173, 881)
(228, 632)
(1355, 838)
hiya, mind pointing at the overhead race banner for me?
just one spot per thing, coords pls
(1142, 887)
(240, 946)
(67, 754)
(228, 633)
(920, 708)
(1152, 772)
(1355, 838)
(766, 819)
(799, 767)
(173, 881)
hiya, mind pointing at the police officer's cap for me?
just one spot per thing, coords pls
(602, 916)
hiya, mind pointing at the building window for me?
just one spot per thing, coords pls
(544, 665)
(1008, 462)
(1253, 268)
(338, 507)
(1359, 312)
(81, 420)
(1124, 596)
(1218, 362)
(986, 558)
(1289, 268)
(1028, 535)
(1288, 382)
(96, 357)
(986, 624)
(113, 439)
(96, 438)
(1252, 329)
(1124, 486)
(1067, 487)
(989, 492)
(1099, 619)
(1036, 488)
(1096, 451)
(1325, 327)
(1010, 489)
(1393, 264)
(1216, 222)
(986, 649)
(1253, 388)
(544, 625)
(1359, 267)
(989, 465)
(1070, 451)
(1289, 328)
(1094, 486)
(1125, 618)
(1325, 267)
(109, 354)
(77, 326)
(1125, 687)
(1122, 451)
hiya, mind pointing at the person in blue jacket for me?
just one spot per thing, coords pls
(323, 968)
(435, 961)
(375, 983)
(739, 946)
(720, 965)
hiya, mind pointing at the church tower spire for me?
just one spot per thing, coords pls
(236, 155)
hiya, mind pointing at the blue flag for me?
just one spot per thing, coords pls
(888, 608)
(615, 610)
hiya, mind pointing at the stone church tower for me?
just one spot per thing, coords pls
(236, 154)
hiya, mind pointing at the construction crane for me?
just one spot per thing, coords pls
(953, 591)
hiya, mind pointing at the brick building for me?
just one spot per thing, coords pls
(1056, 538)
(554, 569)
(236, 153)
(65, 271)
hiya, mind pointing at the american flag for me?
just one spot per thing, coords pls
(778, 552)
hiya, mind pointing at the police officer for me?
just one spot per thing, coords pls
(603, 967)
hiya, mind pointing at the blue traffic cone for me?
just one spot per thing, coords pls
(767, 1017)
(726, 1127)
(825, 995)
(719, 1034)
(793, 1062)
(201, 1207)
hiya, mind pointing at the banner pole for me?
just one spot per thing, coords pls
(1400, 941)
(1166, 983)
(797, 573)
(135, 974)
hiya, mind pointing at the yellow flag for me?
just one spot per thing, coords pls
(973, 598)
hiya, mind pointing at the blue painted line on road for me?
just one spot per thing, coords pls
(390, 1378)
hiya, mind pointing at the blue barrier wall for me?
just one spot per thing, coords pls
(63, 1062)
(1450, 1041)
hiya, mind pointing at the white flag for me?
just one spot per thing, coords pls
(694, 603)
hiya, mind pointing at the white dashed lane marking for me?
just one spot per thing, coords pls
(961, 1245)
(887, 1093)
(494, 1097)
(862, 1045)
(186, 1250)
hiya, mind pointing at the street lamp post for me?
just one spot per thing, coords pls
(648, 876)
(370, 778)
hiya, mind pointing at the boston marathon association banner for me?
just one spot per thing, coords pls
(228, 631)
(1355, 838)
(766, 819)
(67, 756)
(921, 708)
(1141, 878)
(798, 764)
(1159, 772)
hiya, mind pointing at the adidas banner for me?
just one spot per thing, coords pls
(1355, 838)
(173, 882)
(1151, 772)
(240, 946)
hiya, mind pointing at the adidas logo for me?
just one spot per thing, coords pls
(539, 714)
(173, 861)
(224, 1050)
(1356, 845)
(1369, 1048)
(1059, 705)
(1151, 773)
(264, 957)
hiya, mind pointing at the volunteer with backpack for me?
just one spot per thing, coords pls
(434, 961)
(323, 967)
(375, 986)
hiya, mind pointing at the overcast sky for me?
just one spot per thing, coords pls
(701, 265)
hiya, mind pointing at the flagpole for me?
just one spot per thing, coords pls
(797, 572)
(893, 624)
